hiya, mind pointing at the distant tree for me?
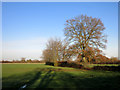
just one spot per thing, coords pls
(23, 59)
(113, 59)
(84, 32)
(29, 61)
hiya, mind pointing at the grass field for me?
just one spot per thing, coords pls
(92, 65)
(44, 76)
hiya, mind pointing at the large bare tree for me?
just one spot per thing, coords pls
(83, 32)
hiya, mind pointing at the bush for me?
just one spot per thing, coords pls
(69, 64)
(107, 68)
(62, 63)
(50, 63)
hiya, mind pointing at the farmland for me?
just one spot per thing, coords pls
(44, 76)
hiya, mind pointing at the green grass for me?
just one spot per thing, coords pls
(44, 76)
(92, 65)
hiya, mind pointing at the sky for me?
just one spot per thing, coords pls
(26, 26)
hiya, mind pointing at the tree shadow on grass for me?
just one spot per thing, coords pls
(33, 80)
(48, 77)
(54, 78)
(16, 81)
(67, 80)
(28, 79)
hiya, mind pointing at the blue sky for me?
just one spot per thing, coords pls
(26, 27)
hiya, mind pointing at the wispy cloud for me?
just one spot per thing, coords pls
(30, 48)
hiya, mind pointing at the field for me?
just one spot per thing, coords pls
(43, 76)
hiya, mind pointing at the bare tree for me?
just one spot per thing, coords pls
(52, 53)
(83, 32)
(65, 53)
(45, 55)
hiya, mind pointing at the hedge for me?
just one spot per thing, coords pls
(66, 64)
(107, 68)
(50, 63)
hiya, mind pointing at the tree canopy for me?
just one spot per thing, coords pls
(84, 32)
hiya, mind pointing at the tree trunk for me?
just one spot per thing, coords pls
(84, 59)
(55, 63)
(56, 57)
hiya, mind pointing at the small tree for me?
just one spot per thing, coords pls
(52, 53)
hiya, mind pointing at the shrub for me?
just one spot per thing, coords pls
(107, 68)
(50, 63)
(69, 64)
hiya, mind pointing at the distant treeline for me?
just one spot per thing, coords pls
(23, 61)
